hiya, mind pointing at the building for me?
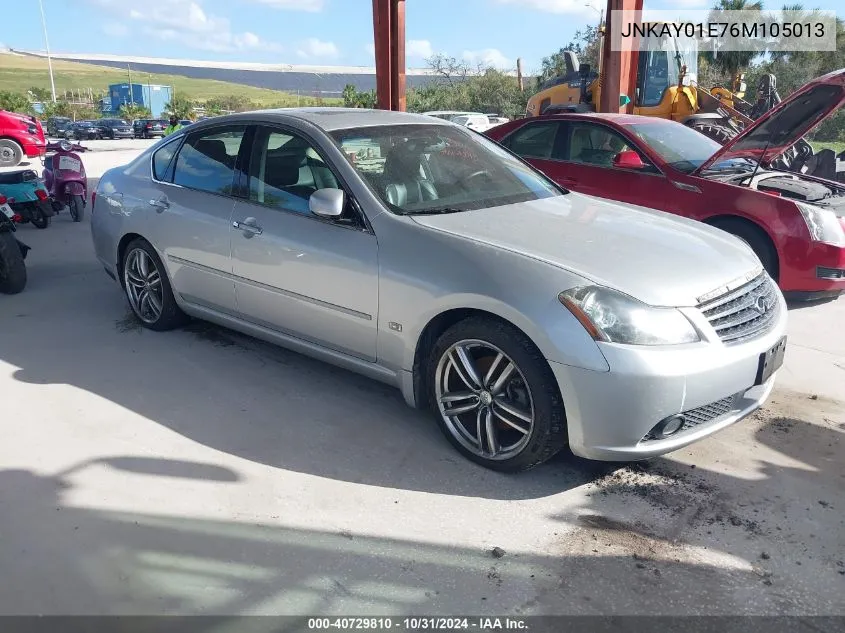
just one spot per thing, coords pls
(152, 96)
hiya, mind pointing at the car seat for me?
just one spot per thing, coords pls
(404, 183)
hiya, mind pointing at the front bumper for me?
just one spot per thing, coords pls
(819, 273)
(609, 414)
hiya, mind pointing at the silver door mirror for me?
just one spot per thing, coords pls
(327, 203)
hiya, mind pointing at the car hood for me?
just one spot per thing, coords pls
(661, 259)
(779, 129)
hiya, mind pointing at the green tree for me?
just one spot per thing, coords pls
(41, 94)
(15, 102)
(132, 111)
(585, 44)
(181, 107)
(732, 62)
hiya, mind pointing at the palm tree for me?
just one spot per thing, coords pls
(732, 61)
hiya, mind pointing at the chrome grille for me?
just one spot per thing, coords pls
(745, 312)
(702, 415)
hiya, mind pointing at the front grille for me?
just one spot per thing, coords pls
(745, 312)
(702, 415)
(823, 272)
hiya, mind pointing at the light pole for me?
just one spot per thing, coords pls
(47, 45)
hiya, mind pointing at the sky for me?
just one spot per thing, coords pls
(335, 32)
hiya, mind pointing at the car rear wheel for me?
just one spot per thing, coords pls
(148, 289)
(11, 154)
(495, 397)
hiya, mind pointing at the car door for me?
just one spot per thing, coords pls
(296, 273)
(584, 154)
(192, 200)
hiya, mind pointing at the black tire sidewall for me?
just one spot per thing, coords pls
(14, 280)
(171, 315)
(549, 434)
(76, 202)
(39, 220)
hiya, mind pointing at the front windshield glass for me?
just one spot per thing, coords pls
(422, 168)
(685, 149)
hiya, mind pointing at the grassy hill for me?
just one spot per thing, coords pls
(19, 73)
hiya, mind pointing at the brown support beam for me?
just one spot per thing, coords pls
(389, 32)
(619, 71)
(397, 50)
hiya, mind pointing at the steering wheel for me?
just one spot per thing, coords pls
(477, 174)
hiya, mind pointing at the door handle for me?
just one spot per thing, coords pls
(248, 226)
(160, 204)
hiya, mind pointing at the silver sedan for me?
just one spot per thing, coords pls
(419, 253)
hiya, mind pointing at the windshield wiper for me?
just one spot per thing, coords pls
(435, 211)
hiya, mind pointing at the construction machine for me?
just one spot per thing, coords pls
(667, 87)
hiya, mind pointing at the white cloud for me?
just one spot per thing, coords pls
(296, 5)
(313, 47)
(419, 48)
(185, 21)
(489, 57)
(115, 29)
(551, 6)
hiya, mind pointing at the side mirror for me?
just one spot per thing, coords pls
(628, 159)
(327, 203)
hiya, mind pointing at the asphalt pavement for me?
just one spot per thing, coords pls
(202, 472)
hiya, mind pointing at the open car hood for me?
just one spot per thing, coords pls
(787, 123)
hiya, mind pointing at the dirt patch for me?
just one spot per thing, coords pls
(212, 334)
(128, 323)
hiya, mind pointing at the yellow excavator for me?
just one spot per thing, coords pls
(667, 87)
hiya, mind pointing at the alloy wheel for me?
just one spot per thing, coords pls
(142, 280)
(484, 399)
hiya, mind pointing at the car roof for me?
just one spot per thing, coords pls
(330, 119)
(610, 117)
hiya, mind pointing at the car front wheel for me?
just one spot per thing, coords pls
(495, 397)
(148, 289)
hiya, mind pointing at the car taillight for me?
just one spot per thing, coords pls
(17, 218)
(41, 194)
(149, 125)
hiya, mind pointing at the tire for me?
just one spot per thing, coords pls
(756, 238)
(77, 208)
(530, 389)
(11, 153)
(39, 220)
(713, 130)
(169, 316)
(12, 267)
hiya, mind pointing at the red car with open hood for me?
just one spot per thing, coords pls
(794, 222)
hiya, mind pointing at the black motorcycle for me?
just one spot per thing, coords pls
(12, 255)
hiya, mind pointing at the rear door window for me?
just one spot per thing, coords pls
(535, 140)
(207, 160)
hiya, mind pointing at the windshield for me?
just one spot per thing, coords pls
(439, 169)
(683, 148)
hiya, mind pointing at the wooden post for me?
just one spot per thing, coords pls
(619, 68)
(519, 74)
(389, 32)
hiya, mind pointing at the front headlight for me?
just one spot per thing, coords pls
(614, 317)
(823, 224)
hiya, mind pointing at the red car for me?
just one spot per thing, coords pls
(794, 222)
(20, 135)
